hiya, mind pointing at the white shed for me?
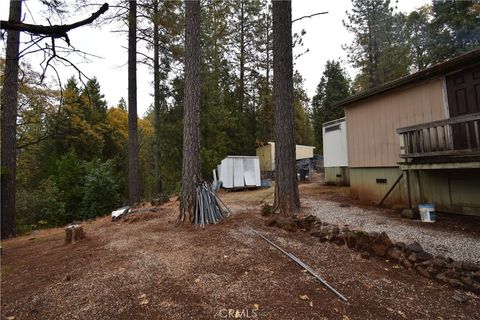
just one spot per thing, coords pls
(239, 172)
(335, 157)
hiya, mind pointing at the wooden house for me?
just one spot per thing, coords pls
(418, 136)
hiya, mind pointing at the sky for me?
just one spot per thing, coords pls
(325, 35)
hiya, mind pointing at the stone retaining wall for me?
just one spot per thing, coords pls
(458, 274)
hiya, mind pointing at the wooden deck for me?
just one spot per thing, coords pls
(451, 140)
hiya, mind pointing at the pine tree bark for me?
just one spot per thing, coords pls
(191, 174)
(133, 163)
(267, 134)
(242, 56)
(287, 199)
(9, 124)
(156, 104)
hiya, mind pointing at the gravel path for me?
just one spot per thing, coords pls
(459, 246)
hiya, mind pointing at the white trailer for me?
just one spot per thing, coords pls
(335, 157)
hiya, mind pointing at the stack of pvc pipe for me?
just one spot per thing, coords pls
(208, 209)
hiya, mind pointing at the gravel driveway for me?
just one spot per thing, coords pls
(454, 244)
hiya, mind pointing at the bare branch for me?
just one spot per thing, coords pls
(310, 16)
(57, 31)
(37, 140)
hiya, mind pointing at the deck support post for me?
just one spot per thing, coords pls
(419, 186)
(406, 174)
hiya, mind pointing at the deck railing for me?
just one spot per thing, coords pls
(457, 136)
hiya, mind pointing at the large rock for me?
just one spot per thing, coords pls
(400, 245)
(415, 247)
(406, 264)
(476, 287)
(421, 256)
(476, 276)
(433, 270)
(442, 277)
(394, 253)
(467, 280)
(307, 223)
(362, 240)
(365, 255)
(459, 297)
(452, 274)
(350, 239)
(439, 262)
(423, 271)
(457, 265)
(339, 240)
(455, 283)
(333, 231)
(287, 223)
(381, 244)
(470, 266)
(320, 233)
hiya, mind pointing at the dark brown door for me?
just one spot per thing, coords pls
(463, 91)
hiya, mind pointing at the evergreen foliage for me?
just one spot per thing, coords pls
(72, 147)
(333, 87)
(388, 44)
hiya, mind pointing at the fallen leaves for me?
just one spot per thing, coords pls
(143, 299)
(304, 297)
(402, 314)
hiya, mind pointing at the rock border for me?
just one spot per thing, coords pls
(457, 274)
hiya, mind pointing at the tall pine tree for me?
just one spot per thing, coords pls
(378, 49)
(287, 200)
(333, 87)
(9, 124)
(191, 172)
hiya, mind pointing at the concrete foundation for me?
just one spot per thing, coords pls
(456, 191)
(337, 175)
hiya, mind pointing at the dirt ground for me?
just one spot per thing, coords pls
(148, 269)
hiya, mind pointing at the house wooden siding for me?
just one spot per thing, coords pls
(372, 122)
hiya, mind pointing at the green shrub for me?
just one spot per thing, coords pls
(52, 210)
(101, 189)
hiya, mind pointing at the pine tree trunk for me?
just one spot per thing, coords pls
(191, 174)
(287, 200)
(133, 163)
(9, 124)
(242, 57)
(267, 134)
(156, 107)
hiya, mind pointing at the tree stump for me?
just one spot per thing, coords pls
(74, 233)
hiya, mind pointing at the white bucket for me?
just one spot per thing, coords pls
(427, 212)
